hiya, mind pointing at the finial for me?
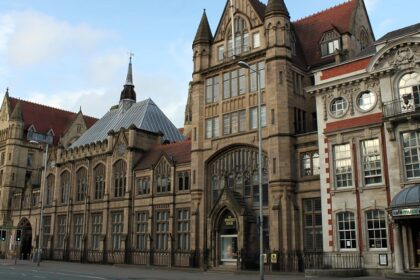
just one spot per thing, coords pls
(130, 54)
(7, 90)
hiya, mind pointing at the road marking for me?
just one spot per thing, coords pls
(80, 275)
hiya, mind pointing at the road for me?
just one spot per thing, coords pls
(66, 270)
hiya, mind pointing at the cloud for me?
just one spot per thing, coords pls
(33, 37)
(107, 69)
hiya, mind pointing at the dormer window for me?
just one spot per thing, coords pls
(241, 38)
(330, 43)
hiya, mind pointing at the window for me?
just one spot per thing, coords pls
(99, 176)
(49, 190)
(342, 166)
(256, 40)
(46, 231)
(338, 107)
(234, 122)
(96, 230)
(78, 231)
(162, 230)
(120, 170)
(212, 128)
(312, 222)
(297, 83)
(183, 229)
(141, 230)
(409, 89)
(234, 83)
(310, 164)
(253, 117)
(61, 230)
(328, 48)
(162, 177)
(143, 185)
(30, 159)
(260, 68)
(411, 147)
(65, 187)
(346, 230)
(256, 189)
(366, 100)
(299, 120)
(376, 229)
(81, 177)
(183, 181)
(220, 53)
(212, 89)
(266, 233)
(371, 158)
(241, 38)
(117, 229)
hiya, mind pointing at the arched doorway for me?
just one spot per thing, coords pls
(26, 238)
(228, 238)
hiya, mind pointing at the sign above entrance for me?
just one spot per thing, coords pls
(406, 212)
(229, 221)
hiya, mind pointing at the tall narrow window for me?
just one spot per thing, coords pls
(183, 181)
(96, 230)
(99, 175)
(143, 185)
(310, 164)
(254, 119)
(163, 175)
(46, 231)
(241, 38)
(411, 149)
(376, 229)
(78, 231)
(260, 68)
(81, 177)
(312, 222)
(117, 229)
(120, 180)
(61, 230)
(141, 232)
(212, 89)
(162, 230)
(183, 229)
(212, 128)
(371, 158)
(409, 88)
(65, 187)
(342, 166)
(346, 227)
(49, 190)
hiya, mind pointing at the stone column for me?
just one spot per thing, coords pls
(398, 254)
(405, 246)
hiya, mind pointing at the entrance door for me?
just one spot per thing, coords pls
(228, 248)
(26, 238)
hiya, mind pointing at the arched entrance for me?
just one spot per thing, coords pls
(228, 238)
(26, 238)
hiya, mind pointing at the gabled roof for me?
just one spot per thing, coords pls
(311, 29)
(402, 32)
(45, 118)
(179, 152)
(144, 115)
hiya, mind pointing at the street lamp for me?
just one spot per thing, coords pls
(243, 64)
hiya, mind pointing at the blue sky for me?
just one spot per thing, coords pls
(72, 53)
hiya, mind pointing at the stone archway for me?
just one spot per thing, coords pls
(26, 238)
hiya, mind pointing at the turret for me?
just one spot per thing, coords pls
(128, 95)
(277, 24)
(201, 44)
(16, 123)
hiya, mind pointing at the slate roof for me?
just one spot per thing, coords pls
(403, 32)
(203, 34)
(44, 118)
(179, 152)
(311, 29)
(144, 115)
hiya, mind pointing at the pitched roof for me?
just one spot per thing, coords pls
(44, 118)
(203, 34)
(144, 115)
(180, 152)
(258, 7)
(276, 7)
(311, 29)
(402, 32)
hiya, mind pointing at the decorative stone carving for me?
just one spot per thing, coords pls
(403, 56)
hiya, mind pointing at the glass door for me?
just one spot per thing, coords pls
(228, 248)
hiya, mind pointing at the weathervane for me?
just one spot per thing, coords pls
(130, 54)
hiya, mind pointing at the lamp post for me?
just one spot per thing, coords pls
(260, 223)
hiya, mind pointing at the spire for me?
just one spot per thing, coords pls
(276, 7)
(203, 34)
(17, 113)
(128, 91)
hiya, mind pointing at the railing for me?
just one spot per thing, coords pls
(404, 105)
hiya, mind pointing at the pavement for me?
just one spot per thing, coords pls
(66, 270)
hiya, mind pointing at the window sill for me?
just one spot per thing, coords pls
(146, 195)
(343, 190)
(372, 187)
(183, 192)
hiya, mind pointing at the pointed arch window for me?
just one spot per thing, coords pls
(120, 178)
(49, 192)
(65, 187)
(99, 175)
(163, 175)
(81, 181)
(241, 38)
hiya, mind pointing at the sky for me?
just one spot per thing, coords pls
(73, 54)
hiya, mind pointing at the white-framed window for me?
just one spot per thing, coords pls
(162, 230)
(376, 229)
(409, 90)
(310, 164)
(346, 229)
(183, 229)
(342, 166)
(256, 40)
(260, 68)
(234, 122)
(366, 100)
(78, 231)
(371, 159)
(234, 83)
(329, 47)
(96, 230)
(142, 230)
(117, 220)
(212, 128)
(212, 89)
(411, 150)
(338, 106)
(253, 119)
